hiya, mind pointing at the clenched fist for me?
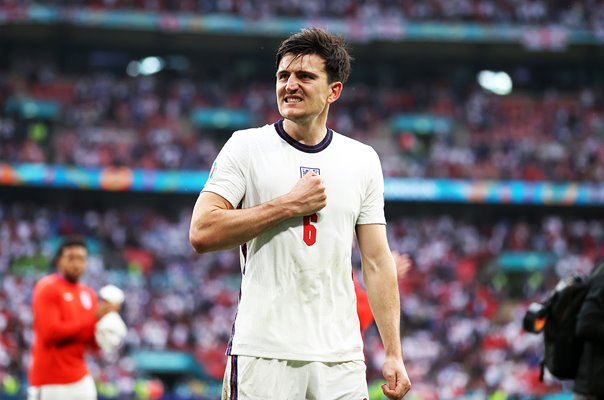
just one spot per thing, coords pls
(308, 195)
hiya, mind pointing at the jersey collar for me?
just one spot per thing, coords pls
(322, 145)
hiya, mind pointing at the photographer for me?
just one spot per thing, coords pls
(589, 383)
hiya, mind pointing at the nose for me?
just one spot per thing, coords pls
(292, 84)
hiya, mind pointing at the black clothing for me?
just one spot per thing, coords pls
(590, 327)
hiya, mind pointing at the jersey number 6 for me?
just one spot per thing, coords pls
(310, 232)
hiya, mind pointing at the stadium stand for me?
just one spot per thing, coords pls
(578, 13)
(455, 301)
(149, 122)
(68, 98)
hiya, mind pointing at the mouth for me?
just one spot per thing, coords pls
(292, 100)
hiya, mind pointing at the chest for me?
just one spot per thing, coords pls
(275, 173)
(74, 303)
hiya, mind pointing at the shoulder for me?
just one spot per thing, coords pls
(48, 282)
(241, 141)
(344, 142)
(361, 155)
(47, 287)
(254, 133)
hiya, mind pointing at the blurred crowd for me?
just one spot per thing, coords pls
(578, 13)
(455, 300)
(107, 119)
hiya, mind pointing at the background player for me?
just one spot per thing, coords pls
(65, 313)
(403, 264)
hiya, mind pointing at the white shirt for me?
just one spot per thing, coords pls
(297, 293)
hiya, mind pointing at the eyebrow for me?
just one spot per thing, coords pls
(299, 72)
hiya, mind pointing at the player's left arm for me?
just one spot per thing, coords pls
(380, 276)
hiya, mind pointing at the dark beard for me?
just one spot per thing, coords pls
(70, 278)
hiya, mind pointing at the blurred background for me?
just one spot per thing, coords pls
(488, 117)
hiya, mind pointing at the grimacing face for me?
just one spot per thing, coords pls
(71, 263)
(302, 89)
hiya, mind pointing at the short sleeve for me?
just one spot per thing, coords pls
(372, 207)
(227, 176)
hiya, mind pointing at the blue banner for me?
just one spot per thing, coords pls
(525, 261)
(395, 189)
(223, 118)
(111, 179)
(422, 124)
(512, 192)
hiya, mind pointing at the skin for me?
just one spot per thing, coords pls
(380, 276)
(71, 264)
(304, 95)
(215, 225)
(403, 263)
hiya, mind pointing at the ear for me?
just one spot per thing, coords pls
(335, 89)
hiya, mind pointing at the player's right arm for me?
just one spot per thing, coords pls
(217, 225)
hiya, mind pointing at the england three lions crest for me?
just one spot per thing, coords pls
(306, 170)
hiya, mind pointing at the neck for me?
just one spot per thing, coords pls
(309, 133)
(69, 279)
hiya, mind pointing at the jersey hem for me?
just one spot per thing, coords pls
(36, 382)
(213, 189)
(371, 223)
(356, 356)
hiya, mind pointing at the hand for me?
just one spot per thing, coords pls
(308, 195)
(397, 381)
(104, 308)
(403, 263)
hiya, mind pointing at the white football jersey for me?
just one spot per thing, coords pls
(297, 294)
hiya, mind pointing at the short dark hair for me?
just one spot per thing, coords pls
(332, 48)
(69, 241)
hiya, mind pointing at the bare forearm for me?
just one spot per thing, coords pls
(382, 290)
(218, 229)
(215, 225)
